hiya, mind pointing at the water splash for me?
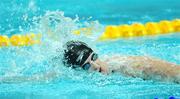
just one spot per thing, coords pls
(56, 30)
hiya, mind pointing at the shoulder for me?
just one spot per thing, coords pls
(114, 57)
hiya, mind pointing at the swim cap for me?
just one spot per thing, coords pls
(76, 53)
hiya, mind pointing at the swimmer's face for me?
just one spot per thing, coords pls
(94, 64)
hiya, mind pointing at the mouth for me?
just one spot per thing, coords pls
(100, 70)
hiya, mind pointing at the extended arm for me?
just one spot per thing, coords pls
(36, 77)
(147, 68)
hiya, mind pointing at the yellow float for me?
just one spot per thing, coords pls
(20, 40)
(4, 40)
(152, 28)
(176, 25)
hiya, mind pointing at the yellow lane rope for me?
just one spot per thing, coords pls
(20, 40)
(110, 32)
(138, 29)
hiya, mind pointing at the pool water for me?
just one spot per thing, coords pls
(64, 16)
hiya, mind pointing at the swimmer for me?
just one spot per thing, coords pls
(78, 54)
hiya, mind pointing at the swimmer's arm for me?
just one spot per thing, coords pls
(47, 76)
(36, 77)
(153, 68)
(148, 68)
(161, 70)
(51, 75)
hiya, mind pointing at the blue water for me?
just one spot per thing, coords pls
(21, 16)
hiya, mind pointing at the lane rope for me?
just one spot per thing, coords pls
(138, 29)
(20, 40)
(135, 29)
(110, 32)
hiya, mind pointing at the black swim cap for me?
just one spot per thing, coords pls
(76, 53)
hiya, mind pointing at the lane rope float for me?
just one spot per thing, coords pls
(20, 40)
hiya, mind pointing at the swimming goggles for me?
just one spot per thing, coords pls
(87, 65)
